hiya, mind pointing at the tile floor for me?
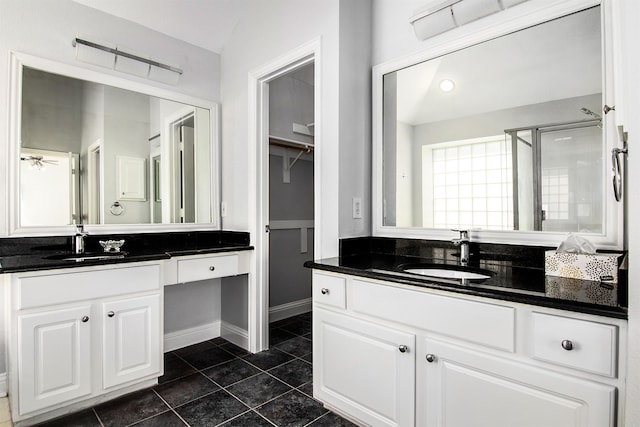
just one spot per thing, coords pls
(215, 383)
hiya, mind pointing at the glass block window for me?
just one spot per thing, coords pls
(472, 184)
(555, 193)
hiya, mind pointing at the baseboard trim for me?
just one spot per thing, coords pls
(235, 334)
(4, 385)
(290, 309)
(186, 337)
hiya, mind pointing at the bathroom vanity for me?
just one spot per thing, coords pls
(398, 349)
(82, 332)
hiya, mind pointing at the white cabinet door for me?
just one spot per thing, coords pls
(131, 339)
(54, 355)
(462, 387)
(364, 369)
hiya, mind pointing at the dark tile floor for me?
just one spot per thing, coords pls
(215, 383)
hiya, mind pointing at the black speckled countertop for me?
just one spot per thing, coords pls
(517, 273)
(19, 254)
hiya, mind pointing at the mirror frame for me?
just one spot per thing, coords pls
(514, 19)
(12, 209)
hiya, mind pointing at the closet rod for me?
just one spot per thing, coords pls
(287, 143)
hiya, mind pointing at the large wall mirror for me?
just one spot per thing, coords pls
(506, 134)
(99, 151)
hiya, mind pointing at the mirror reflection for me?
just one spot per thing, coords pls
(503, 135)
(97, 154)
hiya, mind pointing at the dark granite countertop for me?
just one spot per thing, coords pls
(514, 278)
(20, 254)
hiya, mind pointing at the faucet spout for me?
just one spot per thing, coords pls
(463, 242)
(78, 239)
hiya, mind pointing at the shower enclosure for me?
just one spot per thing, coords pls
(566, 163)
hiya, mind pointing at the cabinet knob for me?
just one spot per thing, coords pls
(111, 314)
(324, 291)
(212, 268)
(430, 357)
(567, 345)
(403, 348)
(85, 319)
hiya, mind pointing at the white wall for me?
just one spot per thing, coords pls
(268, 31)
(45, 28)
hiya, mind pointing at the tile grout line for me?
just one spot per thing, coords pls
(93, 408)
(170, 408)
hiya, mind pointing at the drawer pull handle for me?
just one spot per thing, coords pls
(111, 314)
(430, 358)
(212, 268)
(403, 348)
(85, 319)
(324, 291)
(567, 345)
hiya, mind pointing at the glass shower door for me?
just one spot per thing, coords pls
(571, 178)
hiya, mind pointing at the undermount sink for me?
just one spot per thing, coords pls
(447, 271)
(87, 256)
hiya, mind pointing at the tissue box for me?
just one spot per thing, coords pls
(598, 267)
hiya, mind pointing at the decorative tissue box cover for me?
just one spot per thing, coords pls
(598, 267)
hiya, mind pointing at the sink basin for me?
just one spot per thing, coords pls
(87, 256)
(447, 271)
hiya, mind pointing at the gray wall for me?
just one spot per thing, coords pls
(50, 111)
(189, 305)
(126, 133)
(289, 280)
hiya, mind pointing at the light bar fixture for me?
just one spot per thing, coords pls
(126, 62)
(438, 17)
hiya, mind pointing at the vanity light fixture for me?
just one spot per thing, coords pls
(438, 16)
(447, 85)
(111, 56)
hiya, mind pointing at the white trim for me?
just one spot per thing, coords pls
(234, 334)
(258, 152)
(11, 212)
(4, 385)
(190, 336)
(290, 309)
(513, 19)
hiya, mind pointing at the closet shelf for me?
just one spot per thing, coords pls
(290, 143)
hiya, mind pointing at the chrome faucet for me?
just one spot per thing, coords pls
(463, 242)
(78, 239)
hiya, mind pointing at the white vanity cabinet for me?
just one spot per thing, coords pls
(465, 387)
(397, 355)
(364, 369)
(54, 357)
(77, 334)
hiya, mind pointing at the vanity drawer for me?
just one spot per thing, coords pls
(329, 290)
(58, 288)
(207, 267)
(580, 344)
(487, 324)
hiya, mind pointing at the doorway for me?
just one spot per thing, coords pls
(290, 200)
(258, 283)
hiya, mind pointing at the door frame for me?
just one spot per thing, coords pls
(258, 292)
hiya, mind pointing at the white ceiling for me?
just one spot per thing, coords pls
(204, 23)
